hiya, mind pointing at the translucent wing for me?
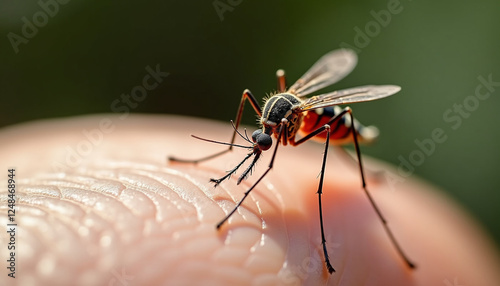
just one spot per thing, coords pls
(328, 70)
(350, 95)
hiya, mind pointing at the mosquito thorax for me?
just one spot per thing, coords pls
(282, 106)
(277, 107)
(262, 139)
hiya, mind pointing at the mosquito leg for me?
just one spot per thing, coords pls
(195, 161)
(260, 178)
(324, 128)
(377, 210)
(247, 95)
(320, 192)
(280, 75)
(358, 153)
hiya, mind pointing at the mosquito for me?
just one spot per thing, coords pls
(288, 113)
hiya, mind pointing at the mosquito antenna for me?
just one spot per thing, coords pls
(246, 135)
(235, 129)
(222, 143)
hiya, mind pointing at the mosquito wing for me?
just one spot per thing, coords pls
(350, 95)
(328, 70)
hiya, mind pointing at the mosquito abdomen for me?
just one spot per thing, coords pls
(340, 130)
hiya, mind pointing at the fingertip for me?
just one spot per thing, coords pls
(281, 213)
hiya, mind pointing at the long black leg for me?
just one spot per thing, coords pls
(318, 131)
(360, 164)
(260, 178)
(377, 210)
(320, 192)
(247, 95)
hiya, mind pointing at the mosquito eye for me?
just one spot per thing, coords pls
(256, 134)
(264, 141)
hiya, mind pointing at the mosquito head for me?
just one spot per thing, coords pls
(263, 140)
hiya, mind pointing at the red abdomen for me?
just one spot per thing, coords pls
(340, 130)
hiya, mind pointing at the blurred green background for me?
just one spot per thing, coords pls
(85, 54)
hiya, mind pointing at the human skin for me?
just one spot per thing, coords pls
(99, 204)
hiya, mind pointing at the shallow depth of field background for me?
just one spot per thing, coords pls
(87, 54)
